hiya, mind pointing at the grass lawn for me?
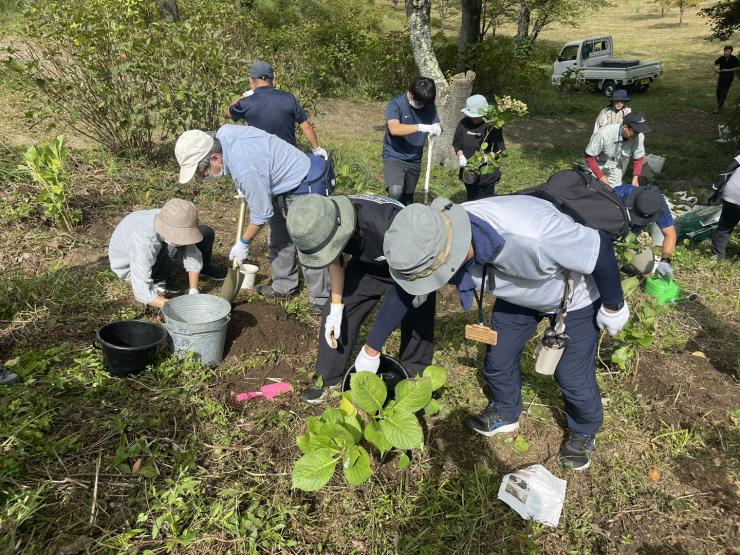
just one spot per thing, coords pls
(168, 461)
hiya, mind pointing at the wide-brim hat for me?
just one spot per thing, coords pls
(426, 245)
(320, 227)
(475, 106)
(177, 223)
(620, 94)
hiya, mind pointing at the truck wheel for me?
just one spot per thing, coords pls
(608, 87)
(642, 88)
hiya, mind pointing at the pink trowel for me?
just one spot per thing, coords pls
(269, 390)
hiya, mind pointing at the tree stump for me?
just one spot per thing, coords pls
(461, 86)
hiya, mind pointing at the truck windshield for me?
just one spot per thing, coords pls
(569, 53)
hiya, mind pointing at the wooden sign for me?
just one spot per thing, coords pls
(481, 333)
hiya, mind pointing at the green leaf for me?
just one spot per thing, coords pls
(629, 285)
(521, 445)
(621, 356)
(332, 415)
(374, 436)
(359, 471)
(352, 423)
(432, 407)
(412, 396)
(402, 430)
(314, 470)
(403, 461)
(437, 375)
(338, 433)
(346, 406)
(368, 391)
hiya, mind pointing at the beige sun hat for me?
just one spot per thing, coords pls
(191, 147)
(177, 223)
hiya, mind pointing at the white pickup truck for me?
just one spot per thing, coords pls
(593, 60)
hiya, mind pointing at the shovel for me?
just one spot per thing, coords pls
(233, 282)
(428, 173)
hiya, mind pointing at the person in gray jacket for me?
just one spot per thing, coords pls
(148, 245)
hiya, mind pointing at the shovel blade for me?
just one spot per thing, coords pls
(232, 284)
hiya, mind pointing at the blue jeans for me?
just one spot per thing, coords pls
(575, 374)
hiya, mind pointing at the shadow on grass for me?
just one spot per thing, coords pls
(717, 338)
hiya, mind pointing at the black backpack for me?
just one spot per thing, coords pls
(585, 199)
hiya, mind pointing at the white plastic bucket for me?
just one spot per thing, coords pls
(249, 271)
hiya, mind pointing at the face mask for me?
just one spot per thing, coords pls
(415, 104)
(213, 175)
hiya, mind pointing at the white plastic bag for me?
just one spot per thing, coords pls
(534, 493)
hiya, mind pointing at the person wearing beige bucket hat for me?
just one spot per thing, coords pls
(525, 251)
(325, 230)
(269, 174)
(147, 246)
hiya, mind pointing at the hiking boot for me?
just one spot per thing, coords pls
(490, 422)
(211, 272)
(316, 395)
(576, 451)
(268, 291)
(7, 377)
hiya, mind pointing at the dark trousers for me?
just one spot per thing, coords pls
(482, 187)
(401, 179)
(728, 219)
(168, 260)
(362, 293)
(575, 374)
(723, 87)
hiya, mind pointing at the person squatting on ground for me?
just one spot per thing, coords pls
(725, 67)
(272, 110)
(410, 118)
(730, 216)
(528, 250)
(324, 230)
(609, 151)
(470, 134)
(148, 245)
(646, 205)
(615, 111)
(270, 174)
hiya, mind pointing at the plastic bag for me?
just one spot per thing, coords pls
(534, 492)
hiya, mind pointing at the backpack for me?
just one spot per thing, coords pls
(585, 199)
(320, 178)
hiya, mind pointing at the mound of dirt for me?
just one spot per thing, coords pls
(260, 326)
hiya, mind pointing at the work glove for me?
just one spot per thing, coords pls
(612, 322)
(247, 93)
(664, 269)
(193, 291)
(366, 363)
(463, 161)
(239, 252)
(434, 129)
(318, 151)
(333, 324)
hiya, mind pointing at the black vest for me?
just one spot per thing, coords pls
(374, 216)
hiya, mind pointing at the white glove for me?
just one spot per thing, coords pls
(664, 269)
(239, 252)
(318, 151)
(433, 129)
(247, 93)
(613, 322)
(463, 161)
(193, 291)
(366, 363)
(333, 324)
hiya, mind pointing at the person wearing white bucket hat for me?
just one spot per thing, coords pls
(269, 173)
(147, 246)
(529, 251)
(470, 134)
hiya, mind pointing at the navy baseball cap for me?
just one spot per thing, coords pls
(637, 121)
(261, 70)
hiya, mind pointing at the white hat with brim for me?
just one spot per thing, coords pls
(177, 223)
(475, 106)
(191, 147)
(426, 245)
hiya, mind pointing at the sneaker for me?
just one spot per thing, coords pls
(576, 451)
(166, 286)
(316, 395)
(7, 377)
(490, 422)
(211, 272)
(315, 309)
(268, 291)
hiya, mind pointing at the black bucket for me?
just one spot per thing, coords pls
(390, 371)
(129, 346)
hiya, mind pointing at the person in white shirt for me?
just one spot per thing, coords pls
(728, 220)
(615, 111)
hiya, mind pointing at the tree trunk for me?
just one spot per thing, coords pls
(168, 9)
(522, 24)
(470, 13)
(450, 96)
(681, 8)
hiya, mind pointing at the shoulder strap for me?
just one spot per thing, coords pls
(479, 296)
(567, 293)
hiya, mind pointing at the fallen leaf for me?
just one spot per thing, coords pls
(698, 354)
(136, 468)
(654, 475)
